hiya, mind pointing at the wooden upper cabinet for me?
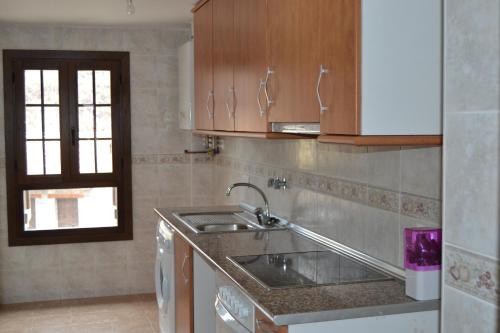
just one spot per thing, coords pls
(223, 59)
(203, 67)
(184, 302)
(250, 67)
(339, 66)
(294, 50)
(357, 67)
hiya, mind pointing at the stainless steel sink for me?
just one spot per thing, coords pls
(232, 221)
(223, 227)
(213, 222)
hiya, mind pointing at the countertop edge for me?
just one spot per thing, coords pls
(306, 317)
(354, 313)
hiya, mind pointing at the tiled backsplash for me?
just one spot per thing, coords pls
(362, 197)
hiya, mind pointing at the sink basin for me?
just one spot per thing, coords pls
(217, 222)
(223, 227)
(229, 221)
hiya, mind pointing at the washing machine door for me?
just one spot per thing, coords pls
(164, 278)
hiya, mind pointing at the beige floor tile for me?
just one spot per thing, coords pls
(117, 314)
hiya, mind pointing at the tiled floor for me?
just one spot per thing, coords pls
(120, 314)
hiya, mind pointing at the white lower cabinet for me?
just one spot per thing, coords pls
(415, 322)
(204, 294)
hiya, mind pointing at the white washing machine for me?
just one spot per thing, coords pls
(165, 277)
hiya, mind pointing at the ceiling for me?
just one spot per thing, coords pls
(96, 12)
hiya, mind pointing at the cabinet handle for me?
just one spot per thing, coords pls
(210, 113)
(262, 84)
(230, 109)
(186, 279)
(322, 71)
(262, 327)
(270, 72)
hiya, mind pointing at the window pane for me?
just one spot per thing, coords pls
(34, 158)
(104, 156)
(50, 87)
(85, 87)
(103, 87)
(52, 158)
(87, 157)
(51, 122)
(32, 87)
(86, 122)
(33, 122)
(103, 122)
(70, 208)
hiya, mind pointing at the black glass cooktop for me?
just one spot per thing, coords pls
(301, 269)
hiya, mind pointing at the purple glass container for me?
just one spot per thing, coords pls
(423, 249)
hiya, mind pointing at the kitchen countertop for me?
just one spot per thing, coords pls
(295, 305)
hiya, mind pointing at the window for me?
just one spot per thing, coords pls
(67, 131)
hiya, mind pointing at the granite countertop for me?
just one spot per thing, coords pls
(296, 305)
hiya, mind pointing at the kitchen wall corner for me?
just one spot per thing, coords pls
(471, 271)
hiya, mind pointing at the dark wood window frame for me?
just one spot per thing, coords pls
(68, 62)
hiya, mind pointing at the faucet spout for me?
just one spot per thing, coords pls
(262, 215)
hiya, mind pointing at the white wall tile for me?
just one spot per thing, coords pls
(471, 165)
(464, 314)
(78, 281)
(472, 153)
(471, 56)
(421, 171)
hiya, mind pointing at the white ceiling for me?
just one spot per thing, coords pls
(96, 12)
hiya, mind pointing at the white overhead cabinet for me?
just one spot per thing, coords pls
(401, 66)
(380, 71)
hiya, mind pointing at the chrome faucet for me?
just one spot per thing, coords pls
(263, 216)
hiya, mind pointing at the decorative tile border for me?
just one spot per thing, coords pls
(472, 273)
(406, 204)
(420, 207)
(144, 159)
(170, 159)
(384, 199)
(174, 159)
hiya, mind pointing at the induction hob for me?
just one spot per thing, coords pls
(303, 269)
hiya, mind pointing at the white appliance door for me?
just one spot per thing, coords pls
(204, 289)
(164, 278)
(226, 322)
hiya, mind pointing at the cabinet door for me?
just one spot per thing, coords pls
(223, 57)
(339, 89)
(203, 85)
(294, 49)
(184, 304)
(251, 62)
